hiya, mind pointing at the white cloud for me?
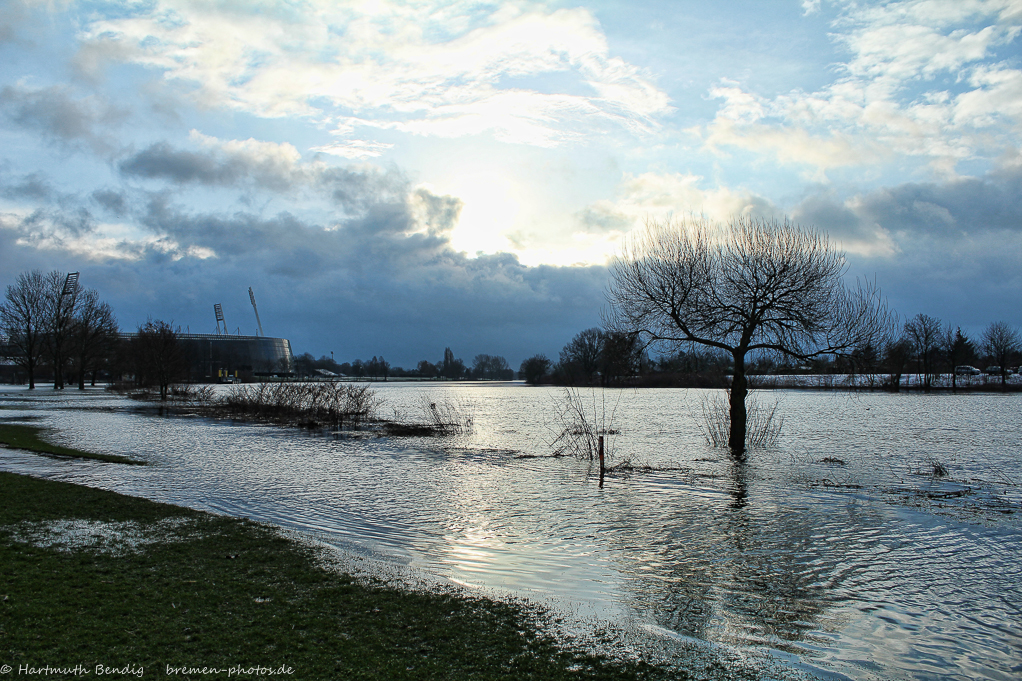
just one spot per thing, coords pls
(431, 68)
(102, 243)
(649, 196)
(923, 81)
(354, 149)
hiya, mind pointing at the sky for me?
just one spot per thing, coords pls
(393, 178)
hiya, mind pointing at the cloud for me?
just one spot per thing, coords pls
(354, 149)
(428, 68)
(379, 276)
(111, 200)
(33, 186)
(58, 114)
(849, 229)
(218, 163)
(11, 18)
(923, 80)
(661, 195)
(951, 248)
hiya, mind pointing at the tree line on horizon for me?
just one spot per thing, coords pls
(65, 332)
(922, 345)
(483, 368)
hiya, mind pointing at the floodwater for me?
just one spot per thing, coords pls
(835, 552)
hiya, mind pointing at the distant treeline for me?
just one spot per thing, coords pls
(51, 328)
(922, 346)
(484, 367)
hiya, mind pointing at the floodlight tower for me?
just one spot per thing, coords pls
(219, 318)
(251, 296)
(70, 285)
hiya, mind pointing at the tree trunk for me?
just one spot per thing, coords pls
(739, 416)
(58, 372)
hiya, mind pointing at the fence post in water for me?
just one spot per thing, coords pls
(601, 460)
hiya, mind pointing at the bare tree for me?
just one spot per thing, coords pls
(23, 317)
(621, 353)
(60, 304)
(924, 332)
(958, 350)
(427, 369)
(534, 369)
(93, 336)
(746, 286)
(491, 367)
(450, 367)
(1000, 342)
(581, 355)
(897, 355)
(157, 355)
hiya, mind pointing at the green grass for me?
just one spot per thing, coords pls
(28, 438)
(221, 592)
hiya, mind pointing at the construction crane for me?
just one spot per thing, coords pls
(219, 318)
(251, 296)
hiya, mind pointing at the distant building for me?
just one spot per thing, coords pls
(211, 356)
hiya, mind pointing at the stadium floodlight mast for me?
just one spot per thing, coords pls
(219, 311)
(251, 296)
(70, 285)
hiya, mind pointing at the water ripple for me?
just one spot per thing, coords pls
(863, 564)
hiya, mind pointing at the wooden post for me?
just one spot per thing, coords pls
(601, 461)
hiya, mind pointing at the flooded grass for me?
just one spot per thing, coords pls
(328, 406)
(29, 438)
(819, 551)
(94, 577)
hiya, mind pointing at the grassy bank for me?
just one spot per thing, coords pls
(157, 586)
(28, 438)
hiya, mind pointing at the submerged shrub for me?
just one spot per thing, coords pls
(583, 421)
(336, 404)
(762, 430)
(445, 416)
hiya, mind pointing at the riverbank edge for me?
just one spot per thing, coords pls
(215, 592)
(29, 438)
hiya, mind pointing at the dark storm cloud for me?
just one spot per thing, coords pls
(237, 234)
(75, 222)
(55, 112)
(956, 247)
(966, 206)
(161, 161)
(374, 273)
(825, 211)
(355, 189)
(377, 275)
(923, 210)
